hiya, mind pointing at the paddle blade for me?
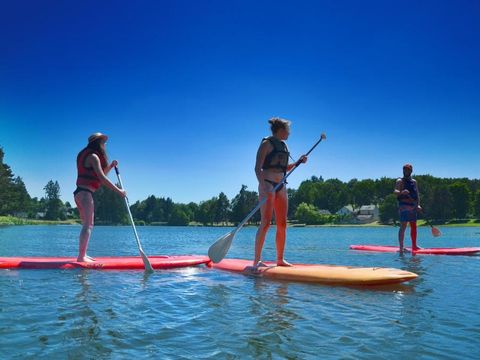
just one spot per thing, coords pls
(436, 232)
(146, 262)
(219, 249)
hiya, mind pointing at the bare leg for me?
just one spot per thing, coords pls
(266, 212)
(84, 201)
(413, 234)
(281, 209)
(401, 235)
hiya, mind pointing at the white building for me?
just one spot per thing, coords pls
(345, 211)
(368, 213)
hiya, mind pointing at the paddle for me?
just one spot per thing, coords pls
(219, 249)
(435, 231)
(146, 262)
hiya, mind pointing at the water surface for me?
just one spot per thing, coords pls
(199, 313)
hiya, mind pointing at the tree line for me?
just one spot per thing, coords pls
(15, 200)
(443, 199)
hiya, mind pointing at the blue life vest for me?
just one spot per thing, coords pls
(412, 198)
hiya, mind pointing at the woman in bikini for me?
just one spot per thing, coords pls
(270, 168)
(93, 168)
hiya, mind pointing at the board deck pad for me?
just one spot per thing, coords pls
(102, 263)
(422, 251)
(321, 274)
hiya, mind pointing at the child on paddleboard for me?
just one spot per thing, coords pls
(93, 168)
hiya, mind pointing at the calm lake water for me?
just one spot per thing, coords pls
(199, 313)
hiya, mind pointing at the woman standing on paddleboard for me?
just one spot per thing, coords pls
(93, 168)
(270, 168)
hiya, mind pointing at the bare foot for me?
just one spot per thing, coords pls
(90, 258)
(85, 259)
(254, 269)
(283, 263)
(259, 264)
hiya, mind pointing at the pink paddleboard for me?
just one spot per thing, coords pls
(102, 263)
(423, 251)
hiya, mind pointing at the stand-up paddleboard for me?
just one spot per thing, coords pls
(102, 263)
(321, 274)
(422, 251)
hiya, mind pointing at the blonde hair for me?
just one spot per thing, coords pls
(277, 123)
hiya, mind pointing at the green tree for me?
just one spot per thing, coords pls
(460, 199)
(206, 211)
(389, 209)
(152, 210)
(192, 210)
(476, 204)
(309, 214)
(293, 202)
(109, 207)
(307, 191)
(20, 199)
(243, 203)
(13, 194)
(6, 178)
(426, 186)
(222, 208)
(363, 192)
(441, 208)
(179, 216)
(383, 188)
(330, 195)
(55, 210)
(163, 210)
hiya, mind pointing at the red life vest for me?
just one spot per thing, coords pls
(87, 177)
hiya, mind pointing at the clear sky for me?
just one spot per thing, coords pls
(185, 89)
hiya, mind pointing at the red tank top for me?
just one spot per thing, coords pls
(86, 175)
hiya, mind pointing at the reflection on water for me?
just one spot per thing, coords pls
(83, 328)
(270, 315)
(412, 264)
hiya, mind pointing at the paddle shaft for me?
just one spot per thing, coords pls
(282, 182)
(428, 221)
(148, 266)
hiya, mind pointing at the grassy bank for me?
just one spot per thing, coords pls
(453, 223)
(456, 223)
(11, 220)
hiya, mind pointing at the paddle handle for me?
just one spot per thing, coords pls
(322, 137)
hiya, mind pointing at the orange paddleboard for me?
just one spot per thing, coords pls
(322, 274)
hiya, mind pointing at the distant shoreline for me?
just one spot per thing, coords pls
(11, 220)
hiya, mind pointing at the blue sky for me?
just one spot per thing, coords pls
(185, 89)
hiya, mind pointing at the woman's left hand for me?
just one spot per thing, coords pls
(303, 159)
(114, 163)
